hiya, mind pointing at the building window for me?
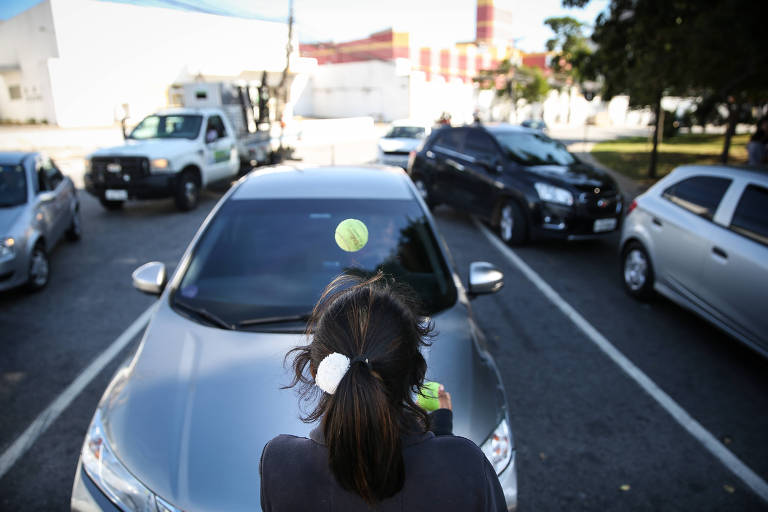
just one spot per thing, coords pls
(14, 91)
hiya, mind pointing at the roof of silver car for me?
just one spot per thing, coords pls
(325, 182)
(752, 173)
(13, 157)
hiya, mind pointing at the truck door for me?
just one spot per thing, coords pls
(220, 151)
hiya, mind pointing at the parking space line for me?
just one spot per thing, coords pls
(44, 420)
(715, 447)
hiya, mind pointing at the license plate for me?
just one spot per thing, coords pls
(116, 195)
(604, 225)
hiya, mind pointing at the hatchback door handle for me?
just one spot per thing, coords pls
(719, 252)
(656, 221)
(456, 165)
(430, 154)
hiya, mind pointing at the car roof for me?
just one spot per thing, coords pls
(14, 157)
(325, 182)
(188, 111)
(750, 173)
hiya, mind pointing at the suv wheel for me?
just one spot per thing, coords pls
(39, 268)
(75, 230)
(512, 226)
(187, 191)
(421, 186)
(111, 205)
(637, 271)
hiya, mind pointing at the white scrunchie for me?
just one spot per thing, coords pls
(330, 372)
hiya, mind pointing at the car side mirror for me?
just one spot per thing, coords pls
(46, 197)
(484, 278)
(492, 164)
(150, 278)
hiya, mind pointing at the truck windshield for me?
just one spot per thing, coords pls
(13, 185)
(168, 127)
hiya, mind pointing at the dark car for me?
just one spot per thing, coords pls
(536, 124)
(518, 179)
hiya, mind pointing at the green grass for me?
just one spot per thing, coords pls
(630, 156)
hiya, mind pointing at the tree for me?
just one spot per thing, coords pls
(571, 48)
(515, 82)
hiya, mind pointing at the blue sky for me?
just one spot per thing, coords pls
(441, 22)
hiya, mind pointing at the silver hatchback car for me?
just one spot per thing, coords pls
(38, 206)
(182, 425)
(700, 237)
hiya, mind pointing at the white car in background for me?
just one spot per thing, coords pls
(403, 137)
(700, 237)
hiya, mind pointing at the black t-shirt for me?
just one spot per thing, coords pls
(442, 473)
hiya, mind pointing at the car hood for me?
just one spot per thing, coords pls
(398, 144)
(578, 174)
(151, 148)
(190, 414)
(9, 217)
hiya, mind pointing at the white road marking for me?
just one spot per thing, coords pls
(710, 442)
(44, 420)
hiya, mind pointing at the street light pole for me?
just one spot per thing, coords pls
(284, 78)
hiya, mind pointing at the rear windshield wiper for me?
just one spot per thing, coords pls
(274, 320)
(205, 315)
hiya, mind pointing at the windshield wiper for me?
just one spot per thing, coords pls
(205, 315)
(275, 320)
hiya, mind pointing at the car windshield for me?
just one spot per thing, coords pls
(168, 127)
(13, 185)
(266, 261)
(405, 132)
(530, 148)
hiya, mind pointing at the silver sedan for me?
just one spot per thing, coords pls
(700, 237)
(38, 206)
(182, 425)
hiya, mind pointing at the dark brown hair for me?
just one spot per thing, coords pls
(362, 422)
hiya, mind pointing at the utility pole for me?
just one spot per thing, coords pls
(283, 88)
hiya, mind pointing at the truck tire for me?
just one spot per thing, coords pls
(111, 205)
(187, 191)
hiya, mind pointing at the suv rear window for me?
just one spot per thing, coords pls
(699, 195)
(751, 216)
(450, 139)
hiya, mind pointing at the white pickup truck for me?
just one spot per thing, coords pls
(172, 153)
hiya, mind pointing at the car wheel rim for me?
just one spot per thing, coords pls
(507, 223)
(190, 191)
(39, 268)
(635, 269)
(422, 188)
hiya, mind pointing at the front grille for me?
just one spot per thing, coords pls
(397, 153)
(119, 170)
(603, 203)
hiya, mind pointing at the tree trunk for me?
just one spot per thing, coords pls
(654, 151)
(732, 117)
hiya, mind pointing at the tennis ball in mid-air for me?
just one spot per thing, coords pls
(427, 397)
(351, 235)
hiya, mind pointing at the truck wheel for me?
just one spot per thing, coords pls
(512, 227)
(111, 205)
(187, 191)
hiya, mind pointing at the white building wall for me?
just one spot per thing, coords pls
(26, 43)
(109, 54)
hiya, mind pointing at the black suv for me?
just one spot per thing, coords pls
(521, 181)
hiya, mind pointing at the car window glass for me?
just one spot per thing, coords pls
(699, 195)
(405, 132)
(533, 148)
(450, 139)
(13, 185)
(216, 126)
(751, 216)
(53, 175)
(480, 145)
(44, 184)
(168, 126)
(237, 271)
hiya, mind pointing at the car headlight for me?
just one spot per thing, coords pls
(553, 194)
(159, 164)
(7, 247)
(114, 480)
(498, 447)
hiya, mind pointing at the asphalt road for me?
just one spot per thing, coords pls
(588, 437)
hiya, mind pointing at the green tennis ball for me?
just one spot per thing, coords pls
(351, 235)
(427, 397)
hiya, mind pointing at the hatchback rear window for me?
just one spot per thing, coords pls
(751, 216)
(700, 195)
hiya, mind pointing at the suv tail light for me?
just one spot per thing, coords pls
(411, 158)
(632, 206)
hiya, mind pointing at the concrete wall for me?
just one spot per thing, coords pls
(108, 54)
(27, 42)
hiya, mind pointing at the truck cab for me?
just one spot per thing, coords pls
(171, 153)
